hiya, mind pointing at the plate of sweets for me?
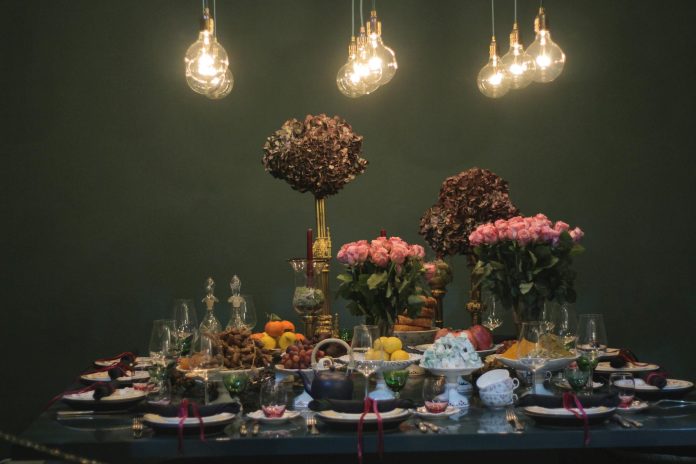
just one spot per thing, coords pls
(557, 356)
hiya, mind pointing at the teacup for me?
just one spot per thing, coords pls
(502, 386)
(496, 399)
(491, 377)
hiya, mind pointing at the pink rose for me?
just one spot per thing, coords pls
(535, 233)
(490, 234)
(549, 235)
(576, 234)
(524, 237)
(363, 251)
(543, 219)
(379, 242)
(515, 220)
(500, 223)
(342, 255)
(518, 226)
(379, 256)
(476, 238)
(561, 226)
(430, 271)
(417, 251)
(511, 234)
(398, 253)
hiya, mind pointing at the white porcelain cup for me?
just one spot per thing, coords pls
(496, 399)
(502, 386)
(491, 377)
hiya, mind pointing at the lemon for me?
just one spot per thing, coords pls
(269, 342)
(379, 343)
(400, 355)
(376, 355)
(287, 339)
(391, 344)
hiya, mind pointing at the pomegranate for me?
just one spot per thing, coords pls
(483, 337)
(441, 333)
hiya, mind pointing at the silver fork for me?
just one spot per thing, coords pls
(512, 418)
(312, 425)
(137, 427)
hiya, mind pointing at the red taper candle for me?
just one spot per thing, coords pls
(382, 233)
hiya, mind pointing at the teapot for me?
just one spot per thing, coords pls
(328, 383)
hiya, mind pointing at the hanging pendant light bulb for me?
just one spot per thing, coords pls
(347, 79)
(547, 55)
(224, 86)
(518, 64)
(369, 75)
(382, 57)
(493, 80)
(206, 61)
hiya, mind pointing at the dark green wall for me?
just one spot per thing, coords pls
(123, 189)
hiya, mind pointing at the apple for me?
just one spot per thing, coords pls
(483, 337)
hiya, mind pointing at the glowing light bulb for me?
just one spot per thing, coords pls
(223, 88)
(348, 79)
(206, 60)
(548, 57)
(381, 56)
(493, 80)
(518, 64)
(371, 75)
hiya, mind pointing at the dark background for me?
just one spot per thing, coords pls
(122, 189)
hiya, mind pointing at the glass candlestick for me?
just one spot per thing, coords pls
(308, 297)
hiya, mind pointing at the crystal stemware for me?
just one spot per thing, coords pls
(576, 376)
(396, 380)
(185, 325)
(624, 385)
(492, 313)
(435, 394)
(366, 356)
(308, 297)
(274, 398)
(162, 340)
(592, 339)
(236, 383)
(529, 348)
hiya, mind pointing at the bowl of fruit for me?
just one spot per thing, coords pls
(395, 358)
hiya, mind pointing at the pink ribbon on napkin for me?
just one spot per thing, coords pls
(568, 399)
(72, 392)
(183, 415)
(371, 404)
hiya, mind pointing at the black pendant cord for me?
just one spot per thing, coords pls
(352, 18)
(493, 18)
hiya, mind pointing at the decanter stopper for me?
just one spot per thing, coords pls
(236, 287)
(209, 298)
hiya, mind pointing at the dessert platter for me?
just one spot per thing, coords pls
(557, 356)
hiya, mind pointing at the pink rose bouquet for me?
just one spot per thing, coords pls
(525, 261)
(383, 277)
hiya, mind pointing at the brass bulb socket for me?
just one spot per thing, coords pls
(207, 22)
(514, 35)
(493, 49)
(540, 22)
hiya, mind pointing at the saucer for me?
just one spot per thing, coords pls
(261, 417)
(422, 412)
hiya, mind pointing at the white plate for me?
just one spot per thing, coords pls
(565, 385)
(636, 406)
(155, 420)
(261, 417)
(562, 412)
(388, 365)
(672, 385)
(104, 377)
(422, 412)
(120, 395)
(605, 367)
(350, 418)
(554, 364)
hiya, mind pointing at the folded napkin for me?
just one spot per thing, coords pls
(358, 406)
(103, 389)
(624, 357)
(127, 357)
(592, 401)
(656, 379)
(171, 410)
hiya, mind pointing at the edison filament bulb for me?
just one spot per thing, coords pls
(493, 80)
(206, 60)
(519, 65)
(548, 57)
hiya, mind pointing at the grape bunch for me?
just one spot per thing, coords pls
(299, 355)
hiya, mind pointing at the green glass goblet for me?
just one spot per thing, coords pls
(577, 377)
(396, 380)
(236, 383)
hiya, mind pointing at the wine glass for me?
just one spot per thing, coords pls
(550, 316)
(435, 394)
(162, 340)
(529, 348)
(274, 399)
(185, 325)
(396, 380)
(592, 339)
(623, 384)
(366, 356)
(567, 325)
(493, 316)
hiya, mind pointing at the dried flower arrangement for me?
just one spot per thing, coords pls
(320, 154)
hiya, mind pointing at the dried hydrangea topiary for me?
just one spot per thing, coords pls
(470, 198)
(319, 155)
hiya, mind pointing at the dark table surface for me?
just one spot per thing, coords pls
(479, 430)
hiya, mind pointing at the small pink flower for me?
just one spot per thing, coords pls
(379, 256)
(524, 237)
(362, 249)
(342, 255)
(561, 226)
(500, 223)
(518, 226)
(549, 235)
(430, 271)
(398, 253)
(490, 234)
(417, 251)
(576, 234)
(476, 238)
(543, 219)
(511, 234)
